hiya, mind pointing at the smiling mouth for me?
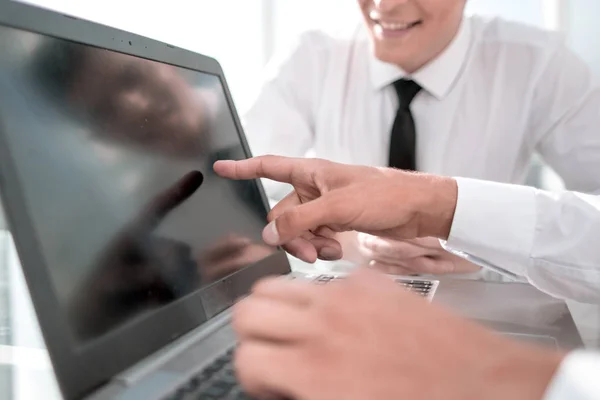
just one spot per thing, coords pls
(386, 28)
(397, 26)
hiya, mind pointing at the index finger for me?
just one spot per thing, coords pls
(280, 169)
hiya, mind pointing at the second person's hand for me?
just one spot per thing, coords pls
(410, 256)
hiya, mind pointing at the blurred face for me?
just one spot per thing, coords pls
(144, 102)
(410, 33)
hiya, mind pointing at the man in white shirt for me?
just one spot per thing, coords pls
(492, 93)
(312, 342)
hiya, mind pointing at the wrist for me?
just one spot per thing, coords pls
(437, 205)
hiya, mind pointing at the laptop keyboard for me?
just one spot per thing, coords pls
(422, 287)
(215, 382)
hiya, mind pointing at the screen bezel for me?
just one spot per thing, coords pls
(82, 369)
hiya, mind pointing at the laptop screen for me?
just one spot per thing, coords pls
(114, 156)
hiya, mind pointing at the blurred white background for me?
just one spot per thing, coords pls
(243, 34)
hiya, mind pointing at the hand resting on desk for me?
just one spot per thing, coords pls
(409, 256)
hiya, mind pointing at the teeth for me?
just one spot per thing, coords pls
(394, 25)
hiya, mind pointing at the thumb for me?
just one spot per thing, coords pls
(292, 223)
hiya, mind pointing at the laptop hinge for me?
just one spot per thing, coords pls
(160, 357)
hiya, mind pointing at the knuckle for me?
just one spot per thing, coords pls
(266, 158)
(374, 243)
(260, 166)
(322, 164)
(289, 221)
(237, 170)
(363, 240)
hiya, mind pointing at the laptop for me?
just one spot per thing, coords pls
(132, 248)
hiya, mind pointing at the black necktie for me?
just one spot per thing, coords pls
(403, 142)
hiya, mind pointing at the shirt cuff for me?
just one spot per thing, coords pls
(494, 222)
(576, 378)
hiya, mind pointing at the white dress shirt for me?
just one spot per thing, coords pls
(497, 94)
(500, 92)
(551, 239)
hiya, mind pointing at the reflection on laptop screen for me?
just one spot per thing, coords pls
(114, 155)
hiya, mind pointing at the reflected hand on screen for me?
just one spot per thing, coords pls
(140, 102)
(229, 255)
(137, 270)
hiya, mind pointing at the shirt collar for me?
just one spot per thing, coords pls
(437, 76)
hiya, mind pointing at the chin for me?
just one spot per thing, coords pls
(389, 56)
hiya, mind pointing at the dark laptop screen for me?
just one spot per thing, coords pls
(114, 156)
